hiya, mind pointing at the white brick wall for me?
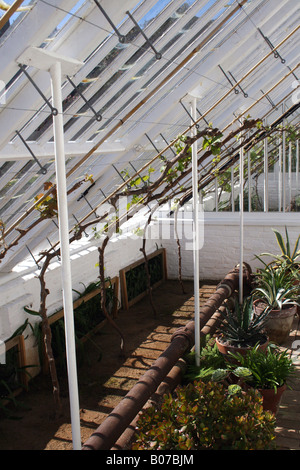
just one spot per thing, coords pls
(221, 242)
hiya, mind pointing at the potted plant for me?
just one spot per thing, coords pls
(206, 416)
(287, 256)
(267, 372)
(276, 290)
(243, 328)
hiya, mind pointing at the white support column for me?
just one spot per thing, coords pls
(279, 177)
(266, 175)
(241, 293)
(232, 189)
(297, 166)
(290, 174)
(249, 181)
(283, 164)
(56, 82)
(196, 237)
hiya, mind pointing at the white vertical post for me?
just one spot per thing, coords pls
(290, 174)
(280, 177)
(56, 80)
(216, 194)
(196, 237)
(232, 189)
(283, 165)
(241, 225)
(249, 181)
(266, 175)
(297, 166)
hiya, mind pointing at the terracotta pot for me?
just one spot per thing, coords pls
(279, 323)
(271, 399)
(226, 349)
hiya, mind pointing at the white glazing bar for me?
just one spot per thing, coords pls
(283, 171)
(56, 79)
(216, 195)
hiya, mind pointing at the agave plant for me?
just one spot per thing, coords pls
(276, 287)
(288, 256)
(244, 326)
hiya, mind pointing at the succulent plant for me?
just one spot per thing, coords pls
(243, 326)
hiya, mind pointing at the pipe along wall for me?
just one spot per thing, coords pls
(165, 373)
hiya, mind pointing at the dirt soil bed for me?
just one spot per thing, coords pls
(103, 376)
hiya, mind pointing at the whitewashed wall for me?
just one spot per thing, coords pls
(220, 246)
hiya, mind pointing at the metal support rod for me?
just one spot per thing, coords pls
(204, 119)
(239, 86)
(58, 257)
(54, 110)
(43, 169)
(166, 142)
(193, 118)
(158, 55)
(56, 80)
(97, 115)
(276, 53)
(86, 234)
(120, 36)
(269, 99)
(32, 256)
(196, 237)
(236, 91)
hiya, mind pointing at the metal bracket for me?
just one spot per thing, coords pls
(58, 257)
(86, 192)
(187, 111)
(97, 115)
(236, 91)
(239, 86)
(43, 169)
(53, 110)
(269, 99)
(38, 266)
(121, 176)
(165, 140)
(121, 37)
(276, 53)
(157, 54)
(86, 234)
(204, 119)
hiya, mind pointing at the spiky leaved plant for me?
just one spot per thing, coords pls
(275, 286)
(243, 326)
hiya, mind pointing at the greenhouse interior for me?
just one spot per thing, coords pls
(149, 227)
